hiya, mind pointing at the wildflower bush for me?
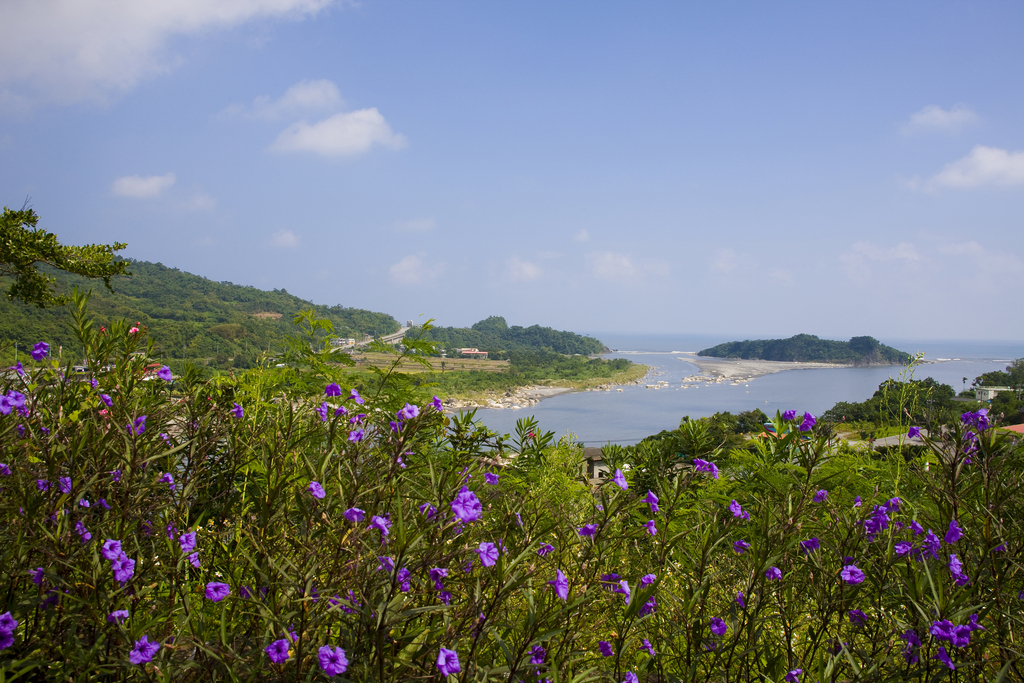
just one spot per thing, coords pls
(284, 525)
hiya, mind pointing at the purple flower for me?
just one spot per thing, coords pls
(821, 495)
(623, 589)
(773, 574)
(561, 585)
(545, 548)
(718, 626)
(278, 651)
(741, 546)
(316, 489)
(651, 529)
(648, 608)
(107, 400)
(143, 651)
(166, 478)
(381, 524)
(65, 484)
(82, 502)
(810, 545)
(856, 502)
(491, 478)
(42, 485)
(793, 676)
(354, 395)
(447, 660)
(467, 506)
(537, 655)
(913, 642)
(237, 411)
(630, 676)
(356, 435)
(650, 649)
(913, 432)
(111, 549)
(588, 530)
(739, 600)
(955, 533)
(652, 500)
(488, 553)
(408, 412)
(332, 389)
(851, 574)
(808, 423)
(857, 617)
(354, 514)
(903, 548)
(332, 660)
(40, 350)
(5, 470)
(620, 480)
(138, 426)
(789, 415)
(943, 657)
(605, 647)
(193, 559)
(705, 466)
(117, 615)
(164, 373)
(438, 406)
(83, 532)
(340, 410)
(322, 412)
(217, 591)
(7, 622)
(115, 476)
(737, 511)
(123, 568)
(931, 545)
(647, 579)
(187, 541)
(18, 368)
(37, 575)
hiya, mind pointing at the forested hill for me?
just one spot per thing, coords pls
(494, 336)
(809, 348)
(187, 315)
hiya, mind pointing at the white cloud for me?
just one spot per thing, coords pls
(412, 270)
(980, 258)
(581, 236)
(857, 261)
(725, 260)
(416, 225)
(782, 275)
(343, 134)
(66, 51)
(142, 187)
(983, 166)
(518, 270)
(303, 98)
(201, 202)
(610, 265)
(285, 239)
(934, 118)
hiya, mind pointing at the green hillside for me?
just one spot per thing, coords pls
(187, 315)
(498, 339)
(809, 348)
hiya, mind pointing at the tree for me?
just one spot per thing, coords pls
(23, 246)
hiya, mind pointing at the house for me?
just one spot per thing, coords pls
(597, 468)
(471, 353)
(988, 393)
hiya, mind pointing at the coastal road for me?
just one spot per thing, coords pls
(389, 339)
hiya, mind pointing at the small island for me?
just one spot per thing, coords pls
(807, 348)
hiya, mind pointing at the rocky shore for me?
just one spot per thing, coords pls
(524, 397)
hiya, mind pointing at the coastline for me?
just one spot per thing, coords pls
(737, 369)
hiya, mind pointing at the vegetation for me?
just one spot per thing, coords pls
(23, 246)
(809, 348)
(189, 317)
(499, 340)
(274, 527)
(534, 367)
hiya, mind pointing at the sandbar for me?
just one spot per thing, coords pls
(739, 368)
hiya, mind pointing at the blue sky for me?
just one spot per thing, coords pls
(762, 169)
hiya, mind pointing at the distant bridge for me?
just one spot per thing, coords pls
(389, 339)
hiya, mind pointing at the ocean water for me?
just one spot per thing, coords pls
(627, 416)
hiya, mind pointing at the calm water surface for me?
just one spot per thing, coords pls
(625, 417)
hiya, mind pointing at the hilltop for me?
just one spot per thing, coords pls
(189, 316)
(809, 348)
(495, 336)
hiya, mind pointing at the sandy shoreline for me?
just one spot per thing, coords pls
(738, 368)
